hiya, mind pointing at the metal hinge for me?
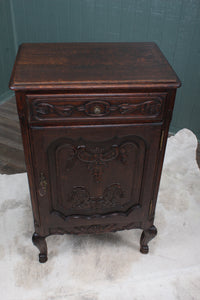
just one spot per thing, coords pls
(162, 139)
(150, 208)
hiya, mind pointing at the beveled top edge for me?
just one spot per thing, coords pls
(90, 84)
(93, 85)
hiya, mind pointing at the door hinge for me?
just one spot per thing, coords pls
(162, 139)
(150, 208)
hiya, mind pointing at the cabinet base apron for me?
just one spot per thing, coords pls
(40, 242)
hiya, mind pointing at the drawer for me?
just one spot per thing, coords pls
(57, 107)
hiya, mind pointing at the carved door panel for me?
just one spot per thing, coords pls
(94, 171)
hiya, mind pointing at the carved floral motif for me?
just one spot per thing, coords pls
(111, 197)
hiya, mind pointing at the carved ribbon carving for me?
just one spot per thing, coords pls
(97, 158)
(151, 107)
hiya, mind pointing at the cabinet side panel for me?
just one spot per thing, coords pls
(22, 113)
(161, 152)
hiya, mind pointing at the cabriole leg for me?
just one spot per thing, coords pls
(147, 235)
(41, 244)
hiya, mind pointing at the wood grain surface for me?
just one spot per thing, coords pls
(89, 65)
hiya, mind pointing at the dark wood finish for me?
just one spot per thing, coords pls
(94, 121)
(41, 244)
(146, 237)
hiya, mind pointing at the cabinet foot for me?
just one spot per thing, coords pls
(147, 235)
(41, 244)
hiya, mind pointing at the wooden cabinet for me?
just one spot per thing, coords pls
(94, 120)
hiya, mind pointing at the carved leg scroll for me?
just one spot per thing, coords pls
(147, 235)
(41, 244)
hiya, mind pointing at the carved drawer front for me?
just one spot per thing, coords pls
(140, 106)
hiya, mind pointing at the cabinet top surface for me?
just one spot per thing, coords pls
(53, 66)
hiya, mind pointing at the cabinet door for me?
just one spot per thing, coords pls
(95, 173)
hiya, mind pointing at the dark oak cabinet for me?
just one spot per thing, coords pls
(94, 120)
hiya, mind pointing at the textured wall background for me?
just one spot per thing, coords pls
(7, 47)
(173, 24)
